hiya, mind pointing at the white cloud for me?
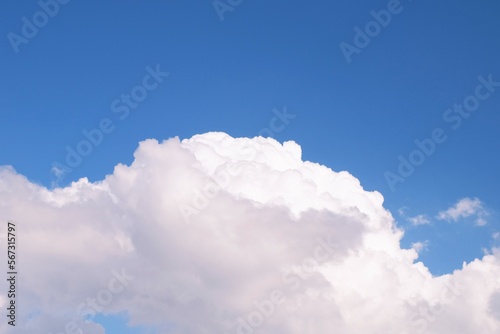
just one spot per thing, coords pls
(420, 245)
(419, 220)
(465, 207)
(416, 220)
(284, 245)
(402, 211)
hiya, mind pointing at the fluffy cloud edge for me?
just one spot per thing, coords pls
(125, 213)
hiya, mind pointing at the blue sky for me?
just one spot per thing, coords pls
(229, 75)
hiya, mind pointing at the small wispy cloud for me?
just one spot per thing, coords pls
(465, 207)
(402, 211)
(419, 220)
(420, 245)
(415, 220)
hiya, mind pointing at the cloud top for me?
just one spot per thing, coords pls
(231, 235)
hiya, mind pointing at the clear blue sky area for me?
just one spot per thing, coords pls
(364, 79)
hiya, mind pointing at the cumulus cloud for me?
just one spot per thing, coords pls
(215, 234)
(465, 207)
